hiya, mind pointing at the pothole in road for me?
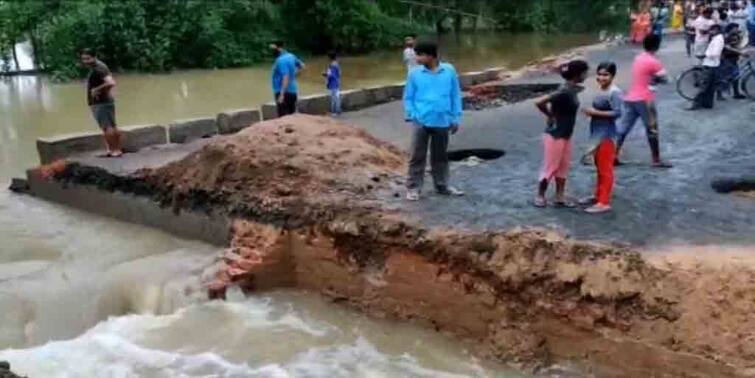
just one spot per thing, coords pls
(488, 96)
(743, 186)
(477, 154)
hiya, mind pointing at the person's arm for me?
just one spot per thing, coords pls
(299, 66)
(456, 104)
(284, 87)
(410, 91)
(542, 105)
(615, 112)
(107, 85)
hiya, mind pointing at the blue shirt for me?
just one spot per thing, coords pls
(608, 101)
(433, 99)
(751, 13)
(334, 76)
(285, 64)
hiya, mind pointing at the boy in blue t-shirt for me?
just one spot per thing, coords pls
(333, 83)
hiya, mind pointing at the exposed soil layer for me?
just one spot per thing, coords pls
(308, 194)
(491, 95)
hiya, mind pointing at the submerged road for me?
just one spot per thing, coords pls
(651, 207)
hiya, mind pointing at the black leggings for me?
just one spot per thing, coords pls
(288, 106)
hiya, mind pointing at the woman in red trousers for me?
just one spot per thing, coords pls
(605, 110)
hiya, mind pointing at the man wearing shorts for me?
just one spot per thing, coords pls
(640, 99)
(100, 100)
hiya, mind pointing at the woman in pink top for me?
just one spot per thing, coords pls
(640, 100)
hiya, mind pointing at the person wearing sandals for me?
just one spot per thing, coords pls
(605, 110)
(639, 103)
(560, 108)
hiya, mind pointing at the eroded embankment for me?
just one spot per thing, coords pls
(308, 196)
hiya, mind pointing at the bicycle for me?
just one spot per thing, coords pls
(690, 81)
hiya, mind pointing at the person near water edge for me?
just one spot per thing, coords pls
(560, 109)
(432, 102)
(101, 101)
(711, 64)
(605, 110)
(639, 102)
(285, 70)
(410, 56)
(333, 84)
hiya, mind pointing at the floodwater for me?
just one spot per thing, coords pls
(82, 295)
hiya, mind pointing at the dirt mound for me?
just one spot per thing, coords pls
(300, 159)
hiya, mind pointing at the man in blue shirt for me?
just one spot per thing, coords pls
(751, 23)
(285, 70)
(432, 101)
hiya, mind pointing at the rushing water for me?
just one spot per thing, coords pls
(85, 296)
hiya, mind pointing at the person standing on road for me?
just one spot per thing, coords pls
(751, 23)
(285, 70)
(432, 102)
(101, 101)
(333, 83)
(560, 108)
(605, 110)
(691, 16)
(729, 71)
(677, 19)
(410, 56)
(639, 103)
(702, 27)
(711, 64)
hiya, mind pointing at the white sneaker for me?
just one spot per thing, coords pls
(450, 191)
(412, 195)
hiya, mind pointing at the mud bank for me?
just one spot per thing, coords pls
(314, 207)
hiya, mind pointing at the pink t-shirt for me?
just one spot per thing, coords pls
(645, 67)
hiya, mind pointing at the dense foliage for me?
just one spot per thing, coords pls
(157, 35)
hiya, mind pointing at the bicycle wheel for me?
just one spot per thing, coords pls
(689, 83)
(748, 85)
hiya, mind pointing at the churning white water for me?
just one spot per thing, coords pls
(86, 296)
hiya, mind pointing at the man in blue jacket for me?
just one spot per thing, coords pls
(432, 101)
(285, 87)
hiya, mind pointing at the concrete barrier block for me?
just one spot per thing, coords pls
(62, 146)
(354, 99)
(378, 95)
(469, 79)
(138, 137)
(232, 121)
(318, 104)
(184, 131)
(396, 91)
(269, 111)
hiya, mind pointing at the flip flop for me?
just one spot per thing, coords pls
(116, 155)
(105, 155)
(539, 202)
(662, 164)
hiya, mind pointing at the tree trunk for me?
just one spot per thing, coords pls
(15, 57)
(35, 54)
(457, 23)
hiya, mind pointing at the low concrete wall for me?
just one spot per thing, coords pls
(318, 104)
(269, 111)
(213, 229)
(231, 121)
(184, 131)
(354, 99)
(63, 146)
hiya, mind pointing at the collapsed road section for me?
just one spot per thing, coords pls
(310, 203)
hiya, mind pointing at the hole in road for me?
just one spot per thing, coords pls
(480, 153)
(488, 96)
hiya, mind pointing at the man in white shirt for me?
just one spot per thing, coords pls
(410, 57)
(711, 64)
(702, 26)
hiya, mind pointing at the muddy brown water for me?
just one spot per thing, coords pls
(86, 293)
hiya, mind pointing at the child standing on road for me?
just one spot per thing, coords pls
(605, 110)
(333, 83)
(561, 110)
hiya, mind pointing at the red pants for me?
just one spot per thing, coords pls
(605, 155)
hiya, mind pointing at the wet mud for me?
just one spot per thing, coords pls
(493, 95)
(310, 197)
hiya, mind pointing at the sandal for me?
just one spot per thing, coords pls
(598, 209)
(540, 202)
(662, 164)
(588, 201)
